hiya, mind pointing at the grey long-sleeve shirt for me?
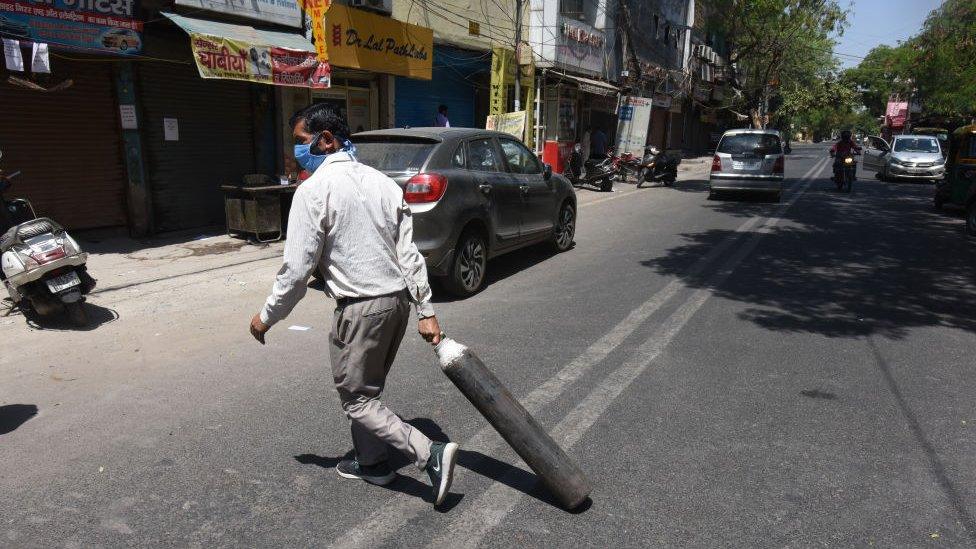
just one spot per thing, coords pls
(352, 222)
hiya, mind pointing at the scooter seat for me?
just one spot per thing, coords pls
(30, 229)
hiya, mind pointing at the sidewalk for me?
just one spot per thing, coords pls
(120, 262)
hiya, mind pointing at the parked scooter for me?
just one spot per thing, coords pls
(43, 268)
(658, 166)
(599, 173)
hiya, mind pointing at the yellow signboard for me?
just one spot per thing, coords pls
(361, 40)
(316, 10)
(503, 67)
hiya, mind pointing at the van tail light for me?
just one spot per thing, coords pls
(716, 164)
(425, 188)
(780, 165)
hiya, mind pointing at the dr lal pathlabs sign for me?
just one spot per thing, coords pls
(362, 40)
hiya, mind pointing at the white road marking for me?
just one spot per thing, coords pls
(397, 512)
(491, 507)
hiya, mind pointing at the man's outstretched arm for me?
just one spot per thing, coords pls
(303, 248)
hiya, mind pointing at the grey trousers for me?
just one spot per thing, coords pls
(363, 345)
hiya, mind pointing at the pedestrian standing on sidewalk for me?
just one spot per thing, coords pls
(440, 119)
(352, 222)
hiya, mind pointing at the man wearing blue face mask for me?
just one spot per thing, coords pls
(350, 221)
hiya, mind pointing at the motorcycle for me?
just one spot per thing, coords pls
(43, 268)
(626, 164)
(599, 173)
(658, 166)
(845, 172)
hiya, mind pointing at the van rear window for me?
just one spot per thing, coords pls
(759, 144)
(395, 156)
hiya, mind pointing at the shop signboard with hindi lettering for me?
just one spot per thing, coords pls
(280, 12)
(512, 123)
(362, 40)
(633, 121)
(230, 59)
(93, 26)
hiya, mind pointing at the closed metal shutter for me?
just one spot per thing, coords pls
(215, 145)
(67, 146)
(659, 126)
(455, 76)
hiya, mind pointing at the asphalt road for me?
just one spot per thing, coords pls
(728, 373)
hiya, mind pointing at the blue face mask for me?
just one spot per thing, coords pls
(310, 161)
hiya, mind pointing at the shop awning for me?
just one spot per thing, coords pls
(589, 85)
(239, 52)
(242, 33)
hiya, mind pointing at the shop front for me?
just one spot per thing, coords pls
(212, 121)
(460, 82)
(61, 124)
(577, 99)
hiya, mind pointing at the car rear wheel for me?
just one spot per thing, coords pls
(469, 266)
(562, 238)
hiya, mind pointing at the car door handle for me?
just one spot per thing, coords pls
(484, 188)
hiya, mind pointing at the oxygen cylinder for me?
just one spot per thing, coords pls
(561, 476)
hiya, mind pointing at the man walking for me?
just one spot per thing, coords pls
(351, 222)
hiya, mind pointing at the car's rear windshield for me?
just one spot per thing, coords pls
(759, 144)
(400, 155)
(917, 145)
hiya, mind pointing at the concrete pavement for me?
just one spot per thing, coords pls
(727, 372)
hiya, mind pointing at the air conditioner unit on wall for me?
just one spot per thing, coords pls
(382, 6)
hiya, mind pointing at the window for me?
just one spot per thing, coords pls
(482, 157)
(971, 148)
(458, 161)
(520, 159)
(759, 144)
(397, 155)
(917, 145)
(878, 143)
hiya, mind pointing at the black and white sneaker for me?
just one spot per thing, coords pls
(440, 468)
(379, 474)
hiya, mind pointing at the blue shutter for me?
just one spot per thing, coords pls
(453, 84)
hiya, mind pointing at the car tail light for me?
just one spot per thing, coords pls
(46, 257)
(780, 165)
(716, 164)
(425, 187)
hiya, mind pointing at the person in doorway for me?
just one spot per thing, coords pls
(352, 222)
(441, 120)
(598, 143)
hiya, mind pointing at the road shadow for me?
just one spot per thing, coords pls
(13, 416)
(102, 241)
(501, 268)
(97, 316)
(875, 262)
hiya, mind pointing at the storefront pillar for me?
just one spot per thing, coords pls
(137, 189)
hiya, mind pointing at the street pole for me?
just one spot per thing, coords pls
(518, 44)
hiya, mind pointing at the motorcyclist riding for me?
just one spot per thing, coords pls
(842, 148)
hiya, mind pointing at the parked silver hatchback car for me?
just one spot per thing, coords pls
(907, 157)
(748, 160)
(475, 194)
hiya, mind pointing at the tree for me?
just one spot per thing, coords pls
(937, 66)
(780, 48)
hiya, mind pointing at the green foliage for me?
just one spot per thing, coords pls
(784, 49)
(940, 63)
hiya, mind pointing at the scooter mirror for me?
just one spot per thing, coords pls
(547, 171)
